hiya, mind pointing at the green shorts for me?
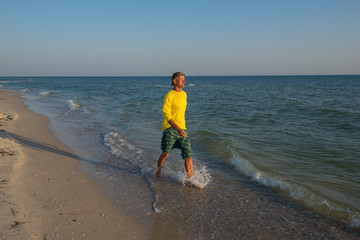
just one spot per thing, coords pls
(171, 139)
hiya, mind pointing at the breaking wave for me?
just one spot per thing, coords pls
(72, 106)
(44, 95)
(295, 191)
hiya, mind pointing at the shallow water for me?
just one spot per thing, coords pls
(263, 146)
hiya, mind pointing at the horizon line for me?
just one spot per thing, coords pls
(249, 75)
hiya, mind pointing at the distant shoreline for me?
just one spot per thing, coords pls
(246, 75)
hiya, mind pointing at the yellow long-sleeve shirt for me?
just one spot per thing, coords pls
(174, 108)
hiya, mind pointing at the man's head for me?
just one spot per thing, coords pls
(175, 77)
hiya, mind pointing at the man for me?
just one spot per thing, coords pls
(174, 129)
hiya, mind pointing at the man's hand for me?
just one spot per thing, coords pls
(180, 131)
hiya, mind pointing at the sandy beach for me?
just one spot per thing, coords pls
(42, 193)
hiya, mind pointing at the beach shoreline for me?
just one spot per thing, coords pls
(43, 194)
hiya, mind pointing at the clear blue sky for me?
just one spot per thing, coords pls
(197, 37)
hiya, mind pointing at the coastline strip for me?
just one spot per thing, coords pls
(42, 193)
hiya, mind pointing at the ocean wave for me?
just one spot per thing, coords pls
(25, 90)
(191, 85)
(72, 106)
(119, 146)
(296, 191)
(331, 111)
(163, 86)
(44, 94)
(15, 81)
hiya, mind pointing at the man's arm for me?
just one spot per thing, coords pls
(180, 131)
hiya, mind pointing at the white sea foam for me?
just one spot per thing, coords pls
(155, 207)
(44, 94)
(201, 177)
(191, 85)
(294, 190)
(119, 146)
(72, 106)
(25, 90)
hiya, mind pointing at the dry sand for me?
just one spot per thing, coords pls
(42, 193)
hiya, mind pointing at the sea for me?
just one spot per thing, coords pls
(266, 148)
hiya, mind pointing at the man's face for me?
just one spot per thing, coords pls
(180, 82)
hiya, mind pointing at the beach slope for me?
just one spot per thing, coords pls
(43, 195)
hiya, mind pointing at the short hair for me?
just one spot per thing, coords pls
(175, 76)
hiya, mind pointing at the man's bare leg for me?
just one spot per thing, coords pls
(189, 167)
(161, 162)
(189, 170)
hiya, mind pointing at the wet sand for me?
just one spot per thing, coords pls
(43, 195)
(251, 211)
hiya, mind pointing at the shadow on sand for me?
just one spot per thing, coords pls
(42, 146)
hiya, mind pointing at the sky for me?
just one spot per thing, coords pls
(196, 37)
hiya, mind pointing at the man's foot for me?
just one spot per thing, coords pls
(194, 183)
